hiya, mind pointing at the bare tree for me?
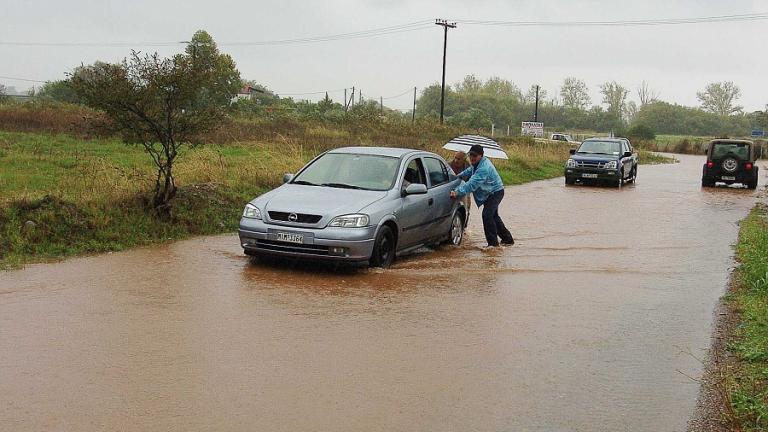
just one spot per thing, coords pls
(646, 94)
(530, 95)
(720, 98)
(575, 93)
(3, 93)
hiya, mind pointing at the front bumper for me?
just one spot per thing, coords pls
(591, 174)
(327, 244)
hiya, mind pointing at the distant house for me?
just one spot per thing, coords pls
(246, 92)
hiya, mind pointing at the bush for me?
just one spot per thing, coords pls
(641, 132)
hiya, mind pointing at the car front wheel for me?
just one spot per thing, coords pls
(383, 248)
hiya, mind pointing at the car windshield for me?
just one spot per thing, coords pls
(600, 147)
(740, 150)
(351, 171)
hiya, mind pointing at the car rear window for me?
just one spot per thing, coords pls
(740, 150)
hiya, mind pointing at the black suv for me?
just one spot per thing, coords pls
(731, 161)
(611, 160)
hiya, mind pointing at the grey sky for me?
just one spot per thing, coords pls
(677, 61)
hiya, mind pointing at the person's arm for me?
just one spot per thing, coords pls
(474, 182)
(466, 173)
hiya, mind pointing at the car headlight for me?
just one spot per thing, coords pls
(350, 221)
(571, 164)
(251, 212)
(610, 165)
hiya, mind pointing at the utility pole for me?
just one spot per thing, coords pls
(381, 104)
(345, 100)
(536, 110)
(360, 96)
(352, 99)
(446, 25)
(413, 113)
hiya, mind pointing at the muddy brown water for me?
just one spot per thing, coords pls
(589, 323)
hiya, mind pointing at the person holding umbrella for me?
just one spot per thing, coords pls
(486, 185)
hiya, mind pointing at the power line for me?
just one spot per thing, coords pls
(623, 23)
(410, 89)
(22, 79)
(407, 27)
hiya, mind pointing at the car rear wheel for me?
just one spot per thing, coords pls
(707, 183)
(457, 230)
(383, 248)
(753, 183)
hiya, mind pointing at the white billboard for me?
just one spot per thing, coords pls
(535, 129)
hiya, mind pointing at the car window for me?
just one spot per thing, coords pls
(600, 147)
(414, 174)
(436, 171)
(352, 171)
(740, 150)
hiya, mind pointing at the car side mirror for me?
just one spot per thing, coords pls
(287, 178)
(628, 154)
(572, 151)
(415, 189)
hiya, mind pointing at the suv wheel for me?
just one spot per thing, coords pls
(633, 176)
(730, 165)
(753, 183)
(707, 183)
(383, 248)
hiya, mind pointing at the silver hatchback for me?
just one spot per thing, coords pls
(357, 204)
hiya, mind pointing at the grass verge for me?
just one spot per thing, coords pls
(62, 195)
(746, 381)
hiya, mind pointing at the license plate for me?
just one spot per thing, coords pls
(728, 178)
(290, 238)
(588, 175)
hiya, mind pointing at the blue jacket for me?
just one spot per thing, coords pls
(483, 181)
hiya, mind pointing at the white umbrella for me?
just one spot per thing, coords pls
(462, 143)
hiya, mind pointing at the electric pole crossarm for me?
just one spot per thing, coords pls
(446, 25)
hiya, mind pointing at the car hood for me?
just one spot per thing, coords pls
(317, 200)
(594, 157)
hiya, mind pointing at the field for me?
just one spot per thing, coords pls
(63, 195)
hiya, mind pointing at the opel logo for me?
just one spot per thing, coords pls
(293, 217)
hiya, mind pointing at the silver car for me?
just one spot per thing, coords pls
(357, 204)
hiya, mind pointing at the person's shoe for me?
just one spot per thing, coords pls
(508, 243)
(488, 248)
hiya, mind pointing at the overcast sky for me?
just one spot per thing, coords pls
(676, 60)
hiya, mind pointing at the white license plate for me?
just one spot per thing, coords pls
(290, 238)
(588, 175)
(728, 178)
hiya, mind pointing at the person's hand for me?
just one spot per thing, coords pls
(453, 195)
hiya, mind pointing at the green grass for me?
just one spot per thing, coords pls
(90, 195)
(748, 385)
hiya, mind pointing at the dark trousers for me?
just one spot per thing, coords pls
(492, 223)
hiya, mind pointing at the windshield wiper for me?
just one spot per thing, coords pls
(341, 185)
(304, 182)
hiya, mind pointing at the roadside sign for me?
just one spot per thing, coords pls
(535, 129)
(758, 133)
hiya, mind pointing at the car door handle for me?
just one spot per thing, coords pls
(431, 201)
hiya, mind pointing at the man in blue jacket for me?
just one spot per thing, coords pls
(486, 185)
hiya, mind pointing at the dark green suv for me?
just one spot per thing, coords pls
(731, 161)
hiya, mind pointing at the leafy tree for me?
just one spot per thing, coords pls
(641, 132)
(3, 94)
(469, 85)
(162, 104)
(720, 98)
(501, 88)
(614, 97)
(60, 91)
(575, 94)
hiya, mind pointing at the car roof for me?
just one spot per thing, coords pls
(731, 141)
(606, 139)
(376, 151)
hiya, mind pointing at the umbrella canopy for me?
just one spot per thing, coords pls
(462, 143)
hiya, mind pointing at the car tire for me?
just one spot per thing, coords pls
(570, 181)
(707, 183)
(456, 233)
(753, 183)
(633, 177)
(383, 248)
(620, 182)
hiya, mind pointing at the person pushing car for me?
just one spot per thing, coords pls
(486, 185)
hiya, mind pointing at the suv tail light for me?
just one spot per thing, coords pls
(710, 164)
(748, 166)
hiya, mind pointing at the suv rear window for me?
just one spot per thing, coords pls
(740, 150)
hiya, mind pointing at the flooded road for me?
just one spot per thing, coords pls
(587, 324)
